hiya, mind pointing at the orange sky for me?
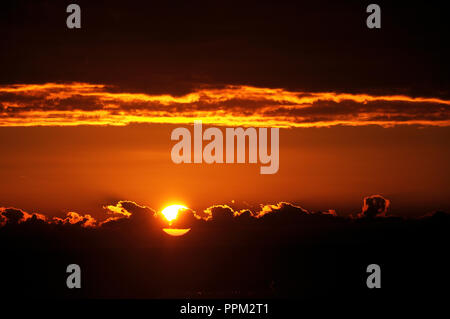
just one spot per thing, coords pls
(59, 169)
(79, 146)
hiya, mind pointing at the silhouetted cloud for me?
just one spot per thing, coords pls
(73, 218)
(282, 208)
(130, 215)
(374, 206)
(220, 213)
(12, 215)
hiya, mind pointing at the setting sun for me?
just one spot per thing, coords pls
(171, 212)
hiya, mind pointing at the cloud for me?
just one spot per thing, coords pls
(73, 218)
(128, 215)
(70, 104)
(13, 215)
(283, 208)
(374, 206)
(220, 213)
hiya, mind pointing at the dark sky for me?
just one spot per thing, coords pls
(172, 47)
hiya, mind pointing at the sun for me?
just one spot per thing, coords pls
(171, 212)
(176, 232)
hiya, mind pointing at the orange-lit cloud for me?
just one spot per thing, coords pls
(72, 104)
(374, 206)
(17, 216)
(73, 218)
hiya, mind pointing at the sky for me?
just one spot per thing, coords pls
(86, 115)
(87, 167)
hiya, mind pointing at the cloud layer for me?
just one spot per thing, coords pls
(54, 104)
(129, 213)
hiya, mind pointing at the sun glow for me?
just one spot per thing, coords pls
(171, 212)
